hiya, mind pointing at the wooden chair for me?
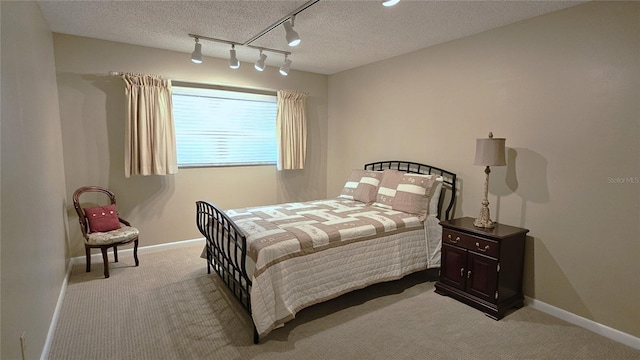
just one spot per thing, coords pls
(109, 236)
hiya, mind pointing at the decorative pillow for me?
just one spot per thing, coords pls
(387, 188)
(352, 184)
(102, 218)
(413, 194)
(368, 187)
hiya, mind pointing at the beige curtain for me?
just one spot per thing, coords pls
(150, 141)
(291, 129)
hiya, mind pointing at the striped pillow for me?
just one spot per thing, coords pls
(352, 184)
(368, 187)
(387, 188)
(413, 194)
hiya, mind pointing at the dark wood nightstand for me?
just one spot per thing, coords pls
(482, 267)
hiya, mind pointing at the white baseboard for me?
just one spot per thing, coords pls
(141, 250)
(81, 259)
(590, 325)
(56, 314)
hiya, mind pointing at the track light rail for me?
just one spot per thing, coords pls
(270, 50)
(200, 37)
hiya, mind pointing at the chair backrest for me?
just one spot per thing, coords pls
(82, 216)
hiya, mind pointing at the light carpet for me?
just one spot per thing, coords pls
(170, 308)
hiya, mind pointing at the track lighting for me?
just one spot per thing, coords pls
(259, 65)
(388, 3)
(234, 63)
(233, 60)
(284, 69)
(293, 39)
(196, 55)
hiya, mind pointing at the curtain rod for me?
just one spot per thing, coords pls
(187, 83)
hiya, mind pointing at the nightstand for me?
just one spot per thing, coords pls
(482, 267)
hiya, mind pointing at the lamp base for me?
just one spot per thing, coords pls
(484, 220)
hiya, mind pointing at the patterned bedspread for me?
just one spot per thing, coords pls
(280, 232)
(300, 254)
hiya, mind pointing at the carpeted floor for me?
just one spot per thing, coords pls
(169, 308)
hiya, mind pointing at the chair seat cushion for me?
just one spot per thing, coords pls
(124, 234)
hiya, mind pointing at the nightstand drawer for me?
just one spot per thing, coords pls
(475, 244)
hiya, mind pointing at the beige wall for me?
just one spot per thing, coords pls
(563, 88)
(163, 207)
(33, 184)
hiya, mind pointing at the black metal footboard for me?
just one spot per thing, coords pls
(226, 252)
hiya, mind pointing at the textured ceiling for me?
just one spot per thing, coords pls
(336, 35)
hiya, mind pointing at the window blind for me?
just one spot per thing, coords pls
(218, 127)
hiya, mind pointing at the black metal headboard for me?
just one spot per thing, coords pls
(449, 179)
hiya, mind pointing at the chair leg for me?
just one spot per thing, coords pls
(87, 252)
(135, 251)
(115, 254)
(105, 260)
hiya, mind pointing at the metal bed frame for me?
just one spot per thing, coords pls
(227, 246)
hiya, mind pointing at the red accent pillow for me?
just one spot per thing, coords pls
(102, 218)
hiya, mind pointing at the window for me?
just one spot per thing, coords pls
(220, 127)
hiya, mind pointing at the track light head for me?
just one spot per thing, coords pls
(259, 65)
(286, 66)
(388, 3)
(233, 60)
(293, 39)
(196, 55)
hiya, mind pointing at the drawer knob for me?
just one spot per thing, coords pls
(482, 249)
(452, 240)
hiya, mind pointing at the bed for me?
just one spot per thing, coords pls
(278, 259)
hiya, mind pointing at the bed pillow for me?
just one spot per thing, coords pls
(349, 189)
(413, 194)
(368, 187)
(387, 188)
(102, 218)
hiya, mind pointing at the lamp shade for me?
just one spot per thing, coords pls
(490, 152)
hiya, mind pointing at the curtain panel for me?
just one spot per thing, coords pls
(291, 129)
(150, 141)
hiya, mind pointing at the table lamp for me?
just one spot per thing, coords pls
(489, 152)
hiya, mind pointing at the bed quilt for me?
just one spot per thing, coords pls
(279, 232)
(308, 252)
